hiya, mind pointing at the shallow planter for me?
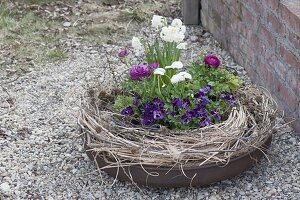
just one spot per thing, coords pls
(177, 177)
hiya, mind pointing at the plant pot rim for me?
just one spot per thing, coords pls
(170, 177)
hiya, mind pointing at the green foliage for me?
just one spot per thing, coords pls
(221, 80)
(122, 102)
(165, 54)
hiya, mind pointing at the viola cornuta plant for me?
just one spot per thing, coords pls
(164, 91)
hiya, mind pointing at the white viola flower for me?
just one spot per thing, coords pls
(175, 65)
(160, 71)
(186, 75)
(177, 78)
(176, 23)
(136, 43)
(158, 21)
(182, 29)
(182, 46)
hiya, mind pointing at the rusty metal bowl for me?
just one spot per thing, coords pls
(193, 175)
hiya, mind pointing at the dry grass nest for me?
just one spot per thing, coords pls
(108, 134)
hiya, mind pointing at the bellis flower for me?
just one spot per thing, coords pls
(138, 72)
(212, 61)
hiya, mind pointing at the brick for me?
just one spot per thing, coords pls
(248, 18)
(290, 59)
(290, 13)
(275, 24)
(293, 80)
(267, 36)
(256, 6)
(280, 68)
(253, 40)
(246, 49)
(294, 39)
(287, 97)
(272, 4)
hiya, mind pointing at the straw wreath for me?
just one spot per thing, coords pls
(124, 143)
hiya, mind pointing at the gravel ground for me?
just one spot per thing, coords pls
(41, 155)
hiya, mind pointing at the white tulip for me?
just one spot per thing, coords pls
(176, 23)
(160, 71)
(182, 45)
(158, 21)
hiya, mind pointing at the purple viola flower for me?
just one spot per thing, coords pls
(158, 103)
(158, 114)
(147, 120)
(186, 117)
(136, 100)
(185, 103)
(203, 101)
(229, 98)
(127, 111)
(154, 65)
(199, 112)
(205, 122)
(177, 103)
(212, 61)
(138, 72)
(203, 91)
(172, 113)
(123, 53)
(215, 114)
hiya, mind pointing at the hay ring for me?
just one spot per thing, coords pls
(159, 157)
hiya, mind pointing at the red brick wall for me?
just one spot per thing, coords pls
(264, 37)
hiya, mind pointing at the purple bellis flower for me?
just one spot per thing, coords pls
(127, 111)
(123, 53)
(212, 61)
(138, 72)
(154, 65)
